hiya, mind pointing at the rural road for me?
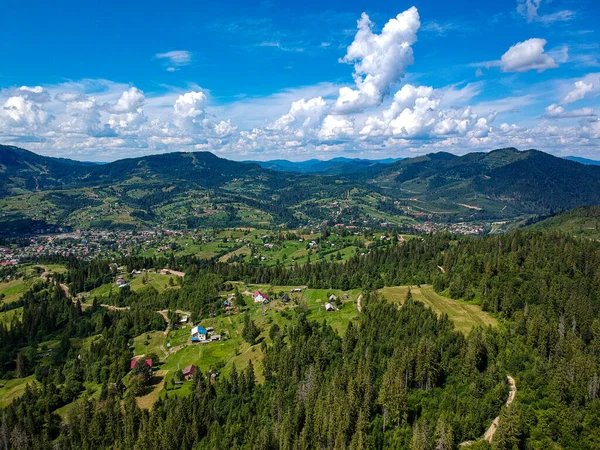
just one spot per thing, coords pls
(164, 312)
(491, 431)
(358, 305)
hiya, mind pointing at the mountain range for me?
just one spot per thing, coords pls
(581, 160)
(200, 189)
(335, 166)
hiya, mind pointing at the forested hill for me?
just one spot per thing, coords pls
(200, 189)
(24, 169)
(335, 166)
(584, 222)
(527, 180)
(397, 378)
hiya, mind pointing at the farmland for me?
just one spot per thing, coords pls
(464, 315)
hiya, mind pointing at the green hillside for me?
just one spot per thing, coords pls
(190, 190)
(584, 222)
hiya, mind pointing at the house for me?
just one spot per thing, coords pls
(226, 303)
(259, 297)
(148, 362)
(215, 337)
(198, 334)
(209, 329)
(296, 290)
(184, 319)
(285, 298)
(332, 298)
(329, 307)
(189, 372)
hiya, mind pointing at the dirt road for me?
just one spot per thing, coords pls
(489, 434)
(491, 431)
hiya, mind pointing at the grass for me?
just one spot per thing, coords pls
(233, 349)
(92, 391)
(464, 315)
(148, 400)
(6, 317)
(156, 342)
(12, 290)
(156, 280)
(12, 389)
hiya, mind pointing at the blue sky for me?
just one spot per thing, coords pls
(264, 80)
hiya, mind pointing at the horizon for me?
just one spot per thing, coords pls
(259, 81)
(568, 157)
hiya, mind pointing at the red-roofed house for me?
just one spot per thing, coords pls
(259, 297)
(134, 362)
(189, 372)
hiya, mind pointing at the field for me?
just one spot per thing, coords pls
(464, 315)
(12, 290)
(156, 280)
(12, 389)
(233, 349)
(582, 222)
(6, 317)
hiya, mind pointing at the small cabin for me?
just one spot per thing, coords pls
(189, 372)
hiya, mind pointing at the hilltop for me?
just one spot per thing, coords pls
(516, 182)
(583, 222)
(199, 189)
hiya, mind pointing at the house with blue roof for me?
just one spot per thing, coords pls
(198, 334)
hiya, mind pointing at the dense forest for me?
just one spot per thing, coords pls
(399, 377)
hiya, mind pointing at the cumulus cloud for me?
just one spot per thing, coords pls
(416, 112)
(224, 128)
(189, 110)
(527, 55)
(20, 112)
(302, 114)
(175, 59)
(558, 112)
(130, 100)
(376, 113)
(579, 91)
(336, 127)
(380, 60)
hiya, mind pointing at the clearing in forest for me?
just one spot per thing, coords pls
(464, 315)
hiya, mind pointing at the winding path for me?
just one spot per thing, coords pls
(358, 305)
(491, 431)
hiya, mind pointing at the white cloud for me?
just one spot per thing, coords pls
(175, 59)
(130, 101)
(224, 128)
(417, 112)
(189, 110)
(527, 55)
(303, 114)
(19, 112)
(374, 116)
(580, 91)
(558, 112)
(380, 60)
(336, 127)
(278, 45)
(529, 10)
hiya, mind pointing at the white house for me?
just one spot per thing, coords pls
(329, 307)
(259, 297)
(198, 334)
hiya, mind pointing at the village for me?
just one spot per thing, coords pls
(261, 246)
